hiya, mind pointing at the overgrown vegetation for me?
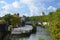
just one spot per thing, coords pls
(53, 18)
(41, 38)
(33, 25)
(13, 20)
(54, 24)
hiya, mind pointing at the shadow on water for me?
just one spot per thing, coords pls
(19, 36)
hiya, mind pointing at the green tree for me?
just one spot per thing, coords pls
(15, 20)
(54, 24)
(7, 18)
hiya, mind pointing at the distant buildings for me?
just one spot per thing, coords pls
(42, 14)
(22, 20)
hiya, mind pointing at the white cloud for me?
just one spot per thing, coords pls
(6, 7)
(26, 1)
(33, 10)
(15, 4)
(3, 12)
(31, 5)
(3, 2)
(51, 8)
(11, 6)
(25, 14)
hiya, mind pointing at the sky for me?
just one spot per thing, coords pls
(28, 7)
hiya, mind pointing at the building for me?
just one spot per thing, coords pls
(22, 19)
(42, 14)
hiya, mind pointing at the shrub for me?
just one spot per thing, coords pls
(41, 38)
(33, 25)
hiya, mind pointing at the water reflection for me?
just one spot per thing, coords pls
(41, 32)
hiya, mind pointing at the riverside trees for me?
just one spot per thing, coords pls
(54, 24)
(13, 20)
(53, 18)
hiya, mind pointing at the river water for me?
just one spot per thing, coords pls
(41, 32)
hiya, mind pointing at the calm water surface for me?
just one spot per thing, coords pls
(41, 32)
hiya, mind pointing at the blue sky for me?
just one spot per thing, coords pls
(28, 7)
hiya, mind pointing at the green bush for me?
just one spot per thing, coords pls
(33, 25)
(2, 21)
(41, 38)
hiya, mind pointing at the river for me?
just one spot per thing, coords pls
(41, 32)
